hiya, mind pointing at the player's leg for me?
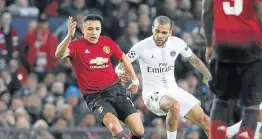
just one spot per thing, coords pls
(259, 123)
(197, 116)
(135, 125)
(251, 97)
(110, 120)
(190, 108)
(161, 103)
(127, 113)
(224, 85)
(218, 117)
(112, 123)
(172, 107)
(249, 123)
(106, 115)
(234, 129)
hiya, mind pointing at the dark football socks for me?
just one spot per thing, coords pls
(219, 119)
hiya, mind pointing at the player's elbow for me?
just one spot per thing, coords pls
(125, 59)
(58, 55)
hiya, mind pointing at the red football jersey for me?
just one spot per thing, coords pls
(92, 64)
(235, 22)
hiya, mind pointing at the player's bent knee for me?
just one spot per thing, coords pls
(112, 123)
(109, 117)
(204, 121)
(174, 107)
(138, 131)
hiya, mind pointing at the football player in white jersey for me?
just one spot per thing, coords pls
(161, 94)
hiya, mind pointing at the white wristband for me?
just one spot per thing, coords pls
(135, 82)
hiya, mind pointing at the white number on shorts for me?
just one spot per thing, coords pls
(154, 97)
(130, 101)
(233, 10)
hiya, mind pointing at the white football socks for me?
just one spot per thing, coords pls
(257, 130)
(171, 135)
(233, 130)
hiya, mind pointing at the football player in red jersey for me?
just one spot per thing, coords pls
(232, 30)
(105, 96)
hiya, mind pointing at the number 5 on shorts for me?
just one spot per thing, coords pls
(233, 10)
(154, 97)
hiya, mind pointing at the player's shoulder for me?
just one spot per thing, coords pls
(177, 42)
(105, 39)
(175, 39)
(145, 42)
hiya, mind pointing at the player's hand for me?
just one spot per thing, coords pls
(124, 76)
(133, 88)
(206, 80)
(209, 51)
(71, 27)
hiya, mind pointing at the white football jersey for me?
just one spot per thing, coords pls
(157, 64)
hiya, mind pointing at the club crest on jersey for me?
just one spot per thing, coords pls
(100, 109)
(106, 49)
(173, 53)
(131, 54)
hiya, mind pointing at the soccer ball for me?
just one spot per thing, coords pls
(131, 54)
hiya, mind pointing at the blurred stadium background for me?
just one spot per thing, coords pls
(39, 98)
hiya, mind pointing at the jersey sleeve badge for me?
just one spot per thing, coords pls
(131, 54)
(173, 53)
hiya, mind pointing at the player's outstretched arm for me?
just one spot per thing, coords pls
(258, 7)
(62, 50)
(199, 65)
(126, 65)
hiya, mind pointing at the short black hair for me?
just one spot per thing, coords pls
(162, 20)
(93, 17)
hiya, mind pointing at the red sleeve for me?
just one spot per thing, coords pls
(72, 50)
(116, 51)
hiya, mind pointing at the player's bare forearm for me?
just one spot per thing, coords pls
(207, 20)
(128, 66)
(62, 50)
(199, 65)
(258, 7)
(120, 66)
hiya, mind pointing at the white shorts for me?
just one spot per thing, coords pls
(186, 100)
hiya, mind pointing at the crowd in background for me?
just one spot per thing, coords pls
(37, 90)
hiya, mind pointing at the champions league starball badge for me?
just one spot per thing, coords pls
(131, 54)
(173, 53)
